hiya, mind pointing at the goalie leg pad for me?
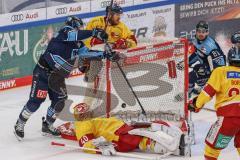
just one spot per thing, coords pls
(166, 136)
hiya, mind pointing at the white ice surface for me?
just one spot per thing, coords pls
(36, 147)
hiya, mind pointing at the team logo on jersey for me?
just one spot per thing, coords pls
(115, 35)
(233, 74)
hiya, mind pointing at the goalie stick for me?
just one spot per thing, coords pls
(128, 155)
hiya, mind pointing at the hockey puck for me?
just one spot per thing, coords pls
(124, 105)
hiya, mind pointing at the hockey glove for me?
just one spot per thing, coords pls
(100, 34)
(191, 48)
(192, 105)
(120, 44)
(113, 56)
(106, 148)
(95, 41)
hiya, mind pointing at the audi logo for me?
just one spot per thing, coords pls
(17, 18)
(60, 11)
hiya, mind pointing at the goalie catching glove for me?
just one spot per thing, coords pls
(106, 148)
(192, 105)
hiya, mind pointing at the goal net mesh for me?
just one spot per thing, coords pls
(157, 72)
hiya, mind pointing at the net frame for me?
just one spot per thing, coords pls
(154, 46)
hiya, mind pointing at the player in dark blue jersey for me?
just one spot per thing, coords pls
(235, 50)
(207, 56)
(63, 51)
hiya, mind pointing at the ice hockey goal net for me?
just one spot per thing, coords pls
(158, 73)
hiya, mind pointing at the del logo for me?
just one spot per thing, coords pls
(41, 94)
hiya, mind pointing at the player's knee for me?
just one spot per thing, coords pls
(33, 104)
(58, 105)
(211, 153)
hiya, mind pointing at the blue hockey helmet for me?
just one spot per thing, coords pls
(114, 9)
(234, 57)
(74, 22)
(235, 37)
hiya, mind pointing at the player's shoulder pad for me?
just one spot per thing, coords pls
(123, 24)
(98, 19)
(219, 69)
(211, 42)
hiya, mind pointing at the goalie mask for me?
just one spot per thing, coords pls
(74, 22)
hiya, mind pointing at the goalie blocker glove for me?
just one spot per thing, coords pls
(192, 105)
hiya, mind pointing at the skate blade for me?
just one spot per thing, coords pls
(18, 138)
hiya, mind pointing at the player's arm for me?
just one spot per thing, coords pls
(194, 59)
(128, 39)
(84, 34)
(86, 54)
(212, 86)
(85, 135)
(216, 57)
(92, 24)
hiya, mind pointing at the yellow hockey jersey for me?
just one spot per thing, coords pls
(115, 32)
(224, 82)
(90, 129)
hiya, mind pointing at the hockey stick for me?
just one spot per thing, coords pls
(209, 109)
(128, 155)
(130, 86)
(108, 68)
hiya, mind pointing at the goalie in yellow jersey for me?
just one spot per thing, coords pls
(112, 134)
(224, 82)
(119, 36)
